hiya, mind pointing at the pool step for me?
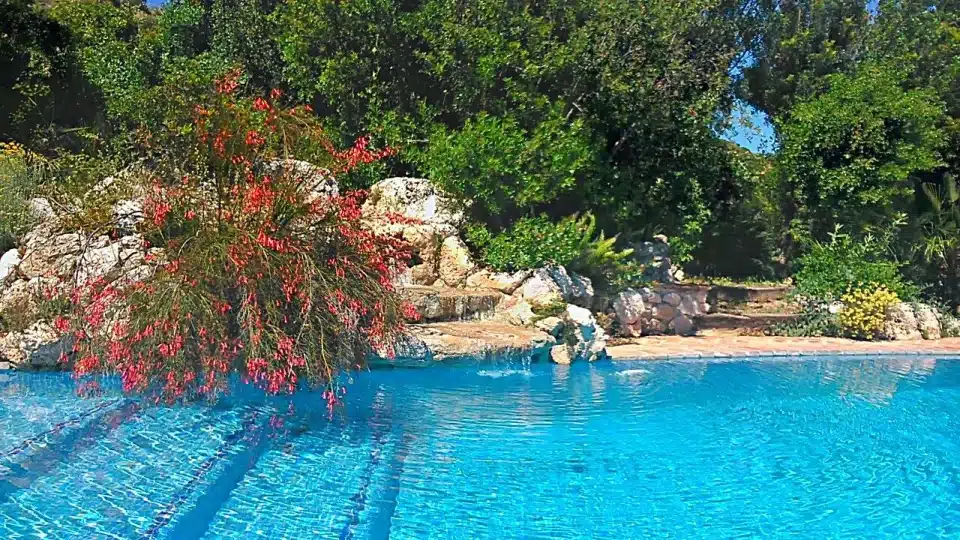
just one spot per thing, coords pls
(734, 294)
(736, 321)
(442, 304)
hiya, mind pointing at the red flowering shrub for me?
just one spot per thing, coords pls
(256, 273)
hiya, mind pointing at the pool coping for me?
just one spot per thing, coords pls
(739, 347)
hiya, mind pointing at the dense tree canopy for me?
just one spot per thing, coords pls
(526, 108)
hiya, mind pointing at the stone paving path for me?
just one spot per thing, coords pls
(724, 346)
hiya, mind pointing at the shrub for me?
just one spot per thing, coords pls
(830, 269)
(849, 153)
(499, 167)
(536, 241)
(812, 322)
(533, 242)
(864, 311)
(257, 274)
(629, 274)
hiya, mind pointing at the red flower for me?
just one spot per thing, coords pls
(254, 138)
(261, 104)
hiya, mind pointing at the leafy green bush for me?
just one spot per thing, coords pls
(628, 274)
(533, 242)
(498, 166)
(828, 270)
(848, 153)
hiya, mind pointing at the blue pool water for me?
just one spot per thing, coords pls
(827, 448)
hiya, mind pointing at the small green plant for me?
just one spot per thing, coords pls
(553, 309)
(598, 255)
(629, 274)
(810, 323)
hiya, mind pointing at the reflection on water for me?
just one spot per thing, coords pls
(876, 380)
(773, 448)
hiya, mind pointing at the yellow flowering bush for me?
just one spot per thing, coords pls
(11, 150)
(864, 310)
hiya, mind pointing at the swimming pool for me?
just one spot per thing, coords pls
(829, 448)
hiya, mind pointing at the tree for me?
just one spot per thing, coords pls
(850, 153)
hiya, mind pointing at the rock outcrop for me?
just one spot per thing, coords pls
(655, 257)
(911, 321)
(39, 347)
(50, 263)
(471, 341)
(415, 210)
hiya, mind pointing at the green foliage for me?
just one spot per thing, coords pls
(744, 237)
(848, 153)
(812, 322)
(798, 43)
(499, 167)
(830, 269)
(533, 242)
(553, 309)
(44, 98)
(628, 274)
(18, 184)
(940, 237)
(537, 241)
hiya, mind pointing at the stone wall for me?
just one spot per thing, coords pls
(663, 309)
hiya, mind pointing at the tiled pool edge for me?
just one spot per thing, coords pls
(719, 348)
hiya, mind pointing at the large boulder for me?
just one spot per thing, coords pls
(516, 311)
(630, 307)
(540, 289)
(588, 340)
(928, 321)
(111, 260)
(24, 296)
(38, 347)
(416, 211)
(655, 257)
(909, 321)
(554, 284)
(49, 254)
(576, 289)
(501, 281)
(415, 199)
(455, 263)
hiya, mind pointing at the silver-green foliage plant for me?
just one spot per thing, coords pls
(17, 186)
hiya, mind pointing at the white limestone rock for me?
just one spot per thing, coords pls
(455, 263)
(8, 264)
(38, 347)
